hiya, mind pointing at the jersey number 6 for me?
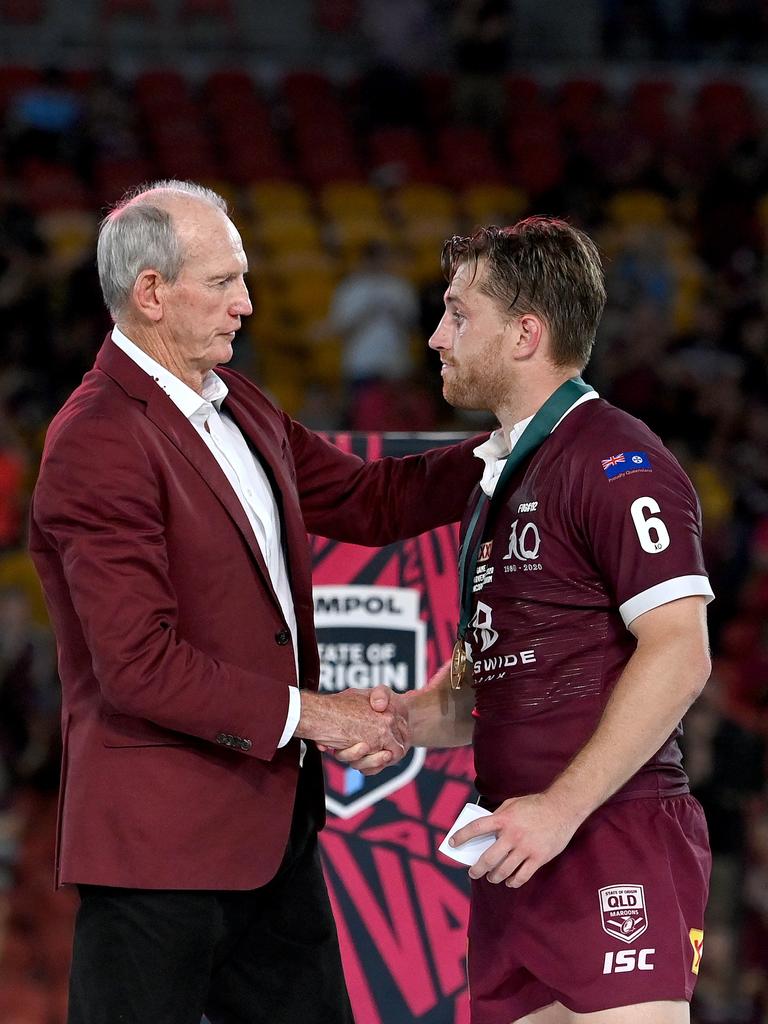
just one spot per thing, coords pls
(651, 531)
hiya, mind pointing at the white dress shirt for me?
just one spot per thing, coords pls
(223, 438)
(495, 450)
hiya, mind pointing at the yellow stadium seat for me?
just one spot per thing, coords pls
(342, 200)
(268, 198)
(638, 206)
(493, 204)
(425, 201)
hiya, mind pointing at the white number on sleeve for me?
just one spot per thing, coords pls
(651, 531)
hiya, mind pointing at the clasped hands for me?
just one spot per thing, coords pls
(366, 729)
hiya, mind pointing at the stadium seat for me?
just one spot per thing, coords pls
(14, 78)
(536, 156)
(638, 206)
(578, 101)
(219, 10)
(493, 204)
(53, 187)
(466, 156)
(22, 12)
(723, 116)
(350, 199)
(650, 108)
(414, 201)
(336, 15)
(70, 236)
(270, 198)
(136, 9)
(402, 151)
(115, 175)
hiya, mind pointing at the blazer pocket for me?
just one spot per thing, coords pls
(127, 731)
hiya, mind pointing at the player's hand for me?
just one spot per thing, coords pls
(384, 701)
(530, 831)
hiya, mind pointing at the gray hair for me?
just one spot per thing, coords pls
(138, 234)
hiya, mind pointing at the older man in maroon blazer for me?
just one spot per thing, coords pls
(169, 530)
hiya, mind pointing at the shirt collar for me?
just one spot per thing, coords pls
(494, 451)
(183, 397)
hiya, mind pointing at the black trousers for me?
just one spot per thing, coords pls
(265, 956)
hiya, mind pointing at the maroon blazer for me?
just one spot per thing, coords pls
(172, 646)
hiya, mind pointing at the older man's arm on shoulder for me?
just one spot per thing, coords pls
(382, 500)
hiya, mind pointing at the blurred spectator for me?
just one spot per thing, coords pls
(44, 121)
(375, 311)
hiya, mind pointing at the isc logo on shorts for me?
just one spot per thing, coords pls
(627, 960)
(622, 911)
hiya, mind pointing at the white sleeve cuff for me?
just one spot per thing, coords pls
(294, 714)
(663, 593)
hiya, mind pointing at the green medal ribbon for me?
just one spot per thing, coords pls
(534, 435)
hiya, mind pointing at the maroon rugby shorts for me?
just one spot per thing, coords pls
(615, 919)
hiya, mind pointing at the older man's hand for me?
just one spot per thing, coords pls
(366, 729)
(361, 756)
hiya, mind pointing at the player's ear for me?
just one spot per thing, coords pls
(528, 331)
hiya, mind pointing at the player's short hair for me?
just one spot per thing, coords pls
(138, 233)
(540, 265)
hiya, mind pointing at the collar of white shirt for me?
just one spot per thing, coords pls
(495, 450)
(183, 397)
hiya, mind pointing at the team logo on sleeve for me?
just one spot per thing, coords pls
(624, 463)
(622, 911)
(696, 935)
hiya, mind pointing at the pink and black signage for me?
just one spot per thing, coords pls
(389, 616)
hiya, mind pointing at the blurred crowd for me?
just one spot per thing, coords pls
(344, 194)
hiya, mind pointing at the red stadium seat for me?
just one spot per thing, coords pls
(129, 8)
(467, 158)
(578, 103)
(115, 175)
(249, 157)
(220, 10)
(22, 12)
(437, 97)
(723, 116)
(14, 78)
(53, 187)
(650, 108)
(537, 157)
(403, 149)
(336, 15)
(162, 91)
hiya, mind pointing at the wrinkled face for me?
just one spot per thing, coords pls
(471, 340)
(202, 308)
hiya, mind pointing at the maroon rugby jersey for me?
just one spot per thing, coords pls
(597, 526)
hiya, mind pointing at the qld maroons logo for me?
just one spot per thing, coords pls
(369, 635)
(622, 911)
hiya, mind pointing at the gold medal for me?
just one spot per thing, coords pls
(458, 664)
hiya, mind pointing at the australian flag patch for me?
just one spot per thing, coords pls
(626, 462)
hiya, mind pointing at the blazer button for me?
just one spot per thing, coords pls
(283, 637)
(222, 738)
(245, 744)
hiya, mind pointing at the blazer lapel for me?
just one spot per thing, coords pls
(180, 432)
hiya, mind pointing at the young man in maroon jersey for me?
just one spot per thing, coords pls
(583, 641)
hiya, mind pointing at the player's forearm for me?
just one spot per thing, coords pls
(439, 716)
(657, 687)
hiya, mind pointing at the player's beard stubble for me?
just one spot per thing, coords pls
(476, 381)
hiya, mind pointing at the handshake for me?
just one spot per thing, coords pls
(367, 729)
